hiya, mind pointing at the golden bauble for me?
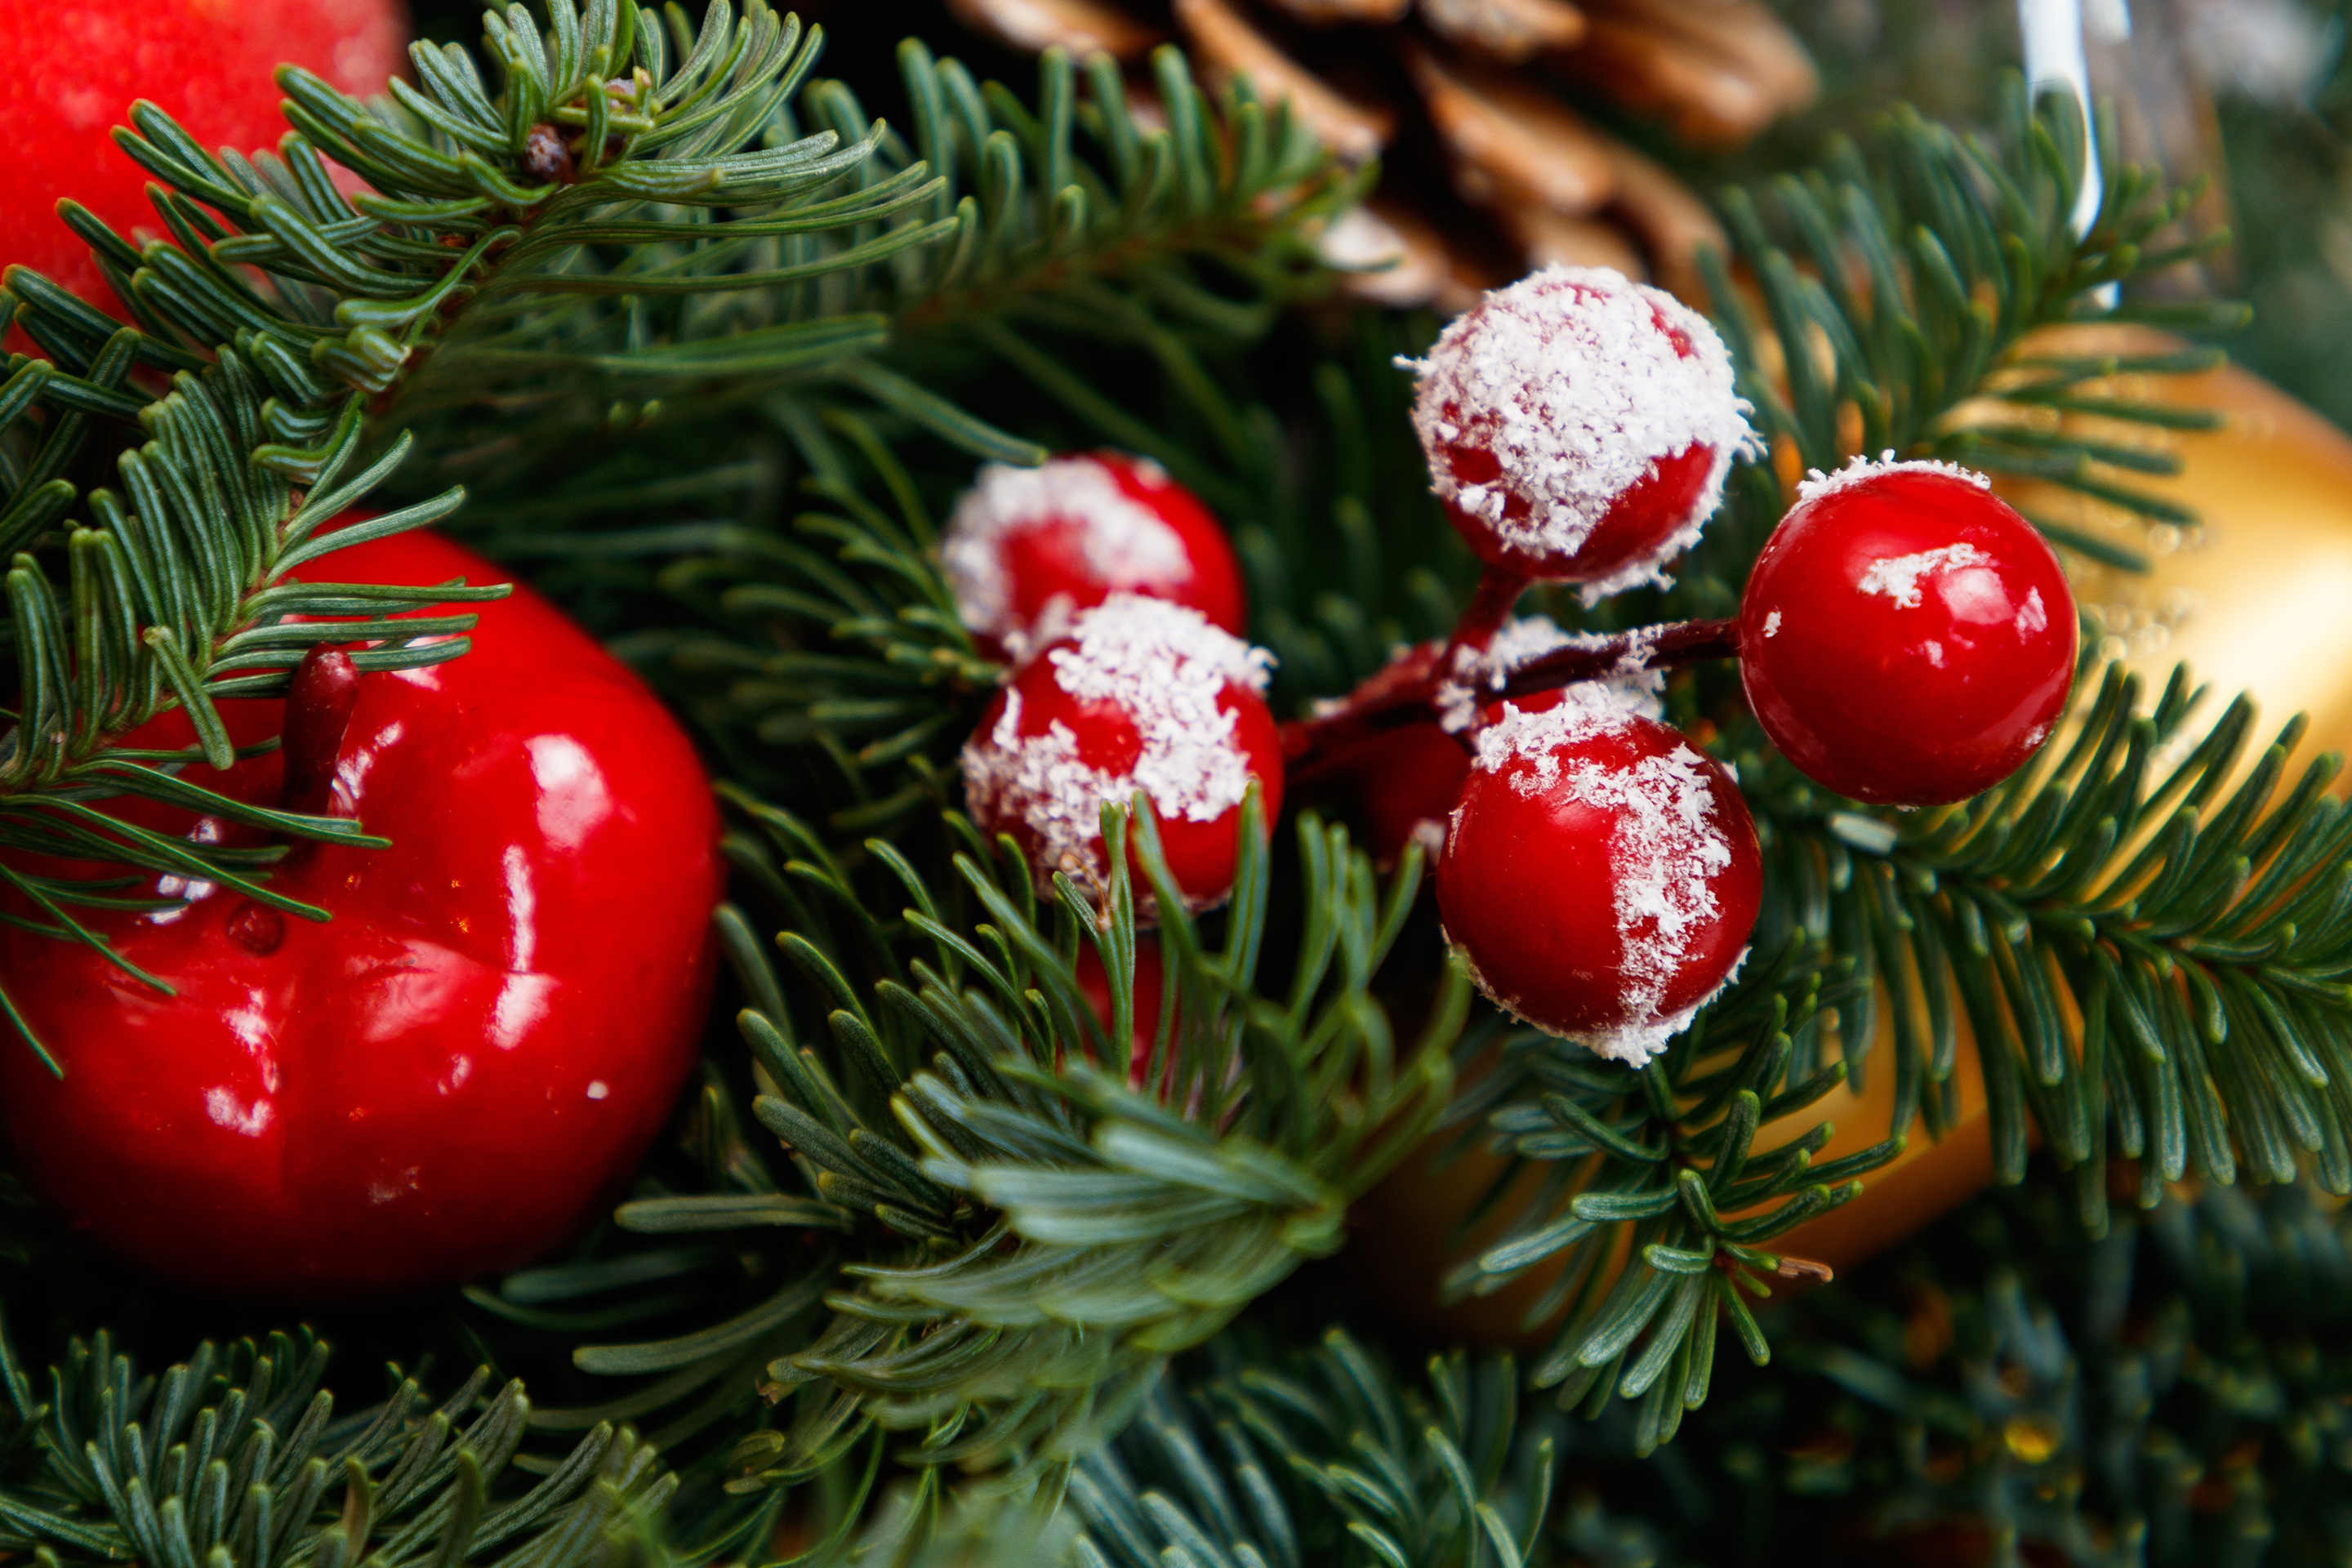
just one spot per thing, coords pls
(2257, 596)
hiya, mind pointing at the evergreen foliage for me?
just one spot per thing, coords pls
(236, 1459)
(710, 346)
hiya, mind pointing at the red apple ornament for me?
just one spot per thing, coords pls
(1141, 695)
(78, 65)
(1028, 549)
(1579, 427)
(1906, 637)
(447, 1077)
(1600, 876)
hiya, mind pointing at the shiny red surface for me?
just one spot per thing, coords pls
(1636, 525)
(1906, 704)
(1404, 778)
(1201, 855)
(448, 1076)
(1527, 888)
(1048, 560)
(78, 65)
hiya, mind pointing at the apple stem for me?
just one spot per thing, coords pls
(319, 704)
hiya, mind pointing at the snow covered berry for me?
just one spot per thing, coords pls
(1578, 426)
(1906, 637)
(1600, 876)
(1141, 695)
(1028, 549)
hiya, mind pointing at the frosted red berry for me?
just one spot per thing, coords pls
(1027, 549)
(1601, 875)
(79, 64)
(449, 1075)
(1141, 695)
(1579, 427)
(1906, 637)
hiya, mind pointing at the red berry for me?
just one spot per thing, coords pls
(1906, 637)
(1027, 549)
(207, 65)
(446, 1077)
(1600, 876)
(1408, 781)
(1579, 427)
(1141, 695)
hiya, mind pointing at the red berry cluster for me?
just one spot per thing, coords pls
(1905, 639)
(1119, 598)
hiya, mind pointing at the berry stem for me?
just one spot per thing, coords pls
(319, 702)
(1490, 607)
(1663, 647)
(1399, 696)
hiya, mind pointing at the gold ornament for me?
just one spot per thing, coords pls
(2255, 597)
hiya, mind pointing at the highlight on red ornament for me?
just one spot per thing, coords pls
(208, 66)
(1579, 427)
(1601, 875)
(1906, 637)
(446, 1076)
(1141, 695)
(1027, 549)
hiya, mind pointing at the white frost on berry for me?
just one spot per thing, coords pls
(1165, 666)
(1772, 625)
(1666, 846)
(1568, 379)
(1860, 470)
(1900, 577)
(1125, 542)
(1476, 674)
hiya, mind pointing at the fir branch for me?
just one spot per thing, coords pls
(1038, 1219)
(236, 1459)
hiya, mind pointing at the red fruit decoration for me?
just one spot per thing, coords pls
(1906, 637)
(79, 64)
(444, 1078)
(1141, 695)
(1600, 876)
(1028, 549)
(1579, 427)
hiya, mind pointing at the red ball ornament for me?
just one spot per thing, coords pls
(1906, 637)
(1028, 549)
(446, 1077)
(1141, 695)
(1579, 427)
(81, 64)
(1600, 876)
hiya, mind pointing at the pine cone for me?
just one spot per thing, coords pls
(1491, 169)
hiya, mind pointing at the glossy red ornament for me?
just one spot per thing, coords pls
(1601, 875)
(1906, 637)
(78, 65)
(446, 1077)
(1027, 549)
(1579, 427)
(1142, 695)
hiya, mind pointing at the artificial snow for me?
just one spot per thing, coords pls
(1898, 577)
(1476, 674)
(1665, 849)
(1125, 542)
(1860, 470)
(1568, 379)
(1165, 666)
